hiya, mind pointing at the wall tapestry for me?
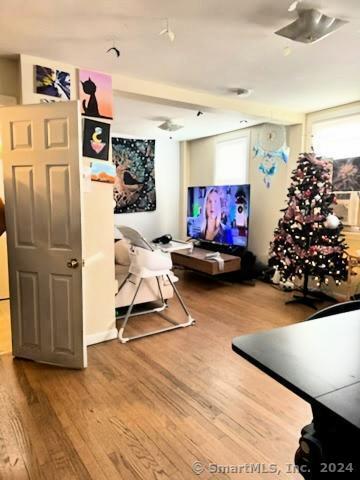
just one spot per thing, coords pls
(54, 83)
(96, 94)
(134, 189)
(96, 139)
(103, 172)
(346, 174)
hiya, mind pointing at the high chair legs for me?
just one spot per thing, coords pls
(175, 325)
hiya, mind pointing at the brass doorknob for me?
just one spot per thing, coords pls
(73, 263)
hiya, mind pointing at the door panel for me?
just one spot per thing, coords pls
(42, 158)
(28, 309)
(58, 182)
(23, 185)
(62, 338)
(21, 135)
(57, 133)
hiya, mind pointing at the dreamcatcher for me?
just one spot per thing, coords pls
(271, 148)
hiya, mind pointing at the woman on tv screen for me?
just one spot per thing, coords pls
(219, 214)
(213, 228)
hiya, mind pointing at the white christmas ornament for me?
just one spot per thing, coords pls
(331, 222)
(276, 277)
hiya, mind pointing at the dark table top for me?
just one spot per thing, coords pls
(318, 360)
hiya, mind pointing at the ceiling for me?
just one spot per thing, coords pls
(219, 45)
(141, 118)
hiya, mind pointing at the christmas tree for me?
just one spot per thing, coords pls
(308, 240)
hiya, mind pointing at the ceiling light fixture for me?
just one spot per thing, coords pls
(310, 26)
(168, 32)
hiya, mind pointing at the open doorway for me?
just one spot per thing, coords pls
(5, 327)
(5, 324)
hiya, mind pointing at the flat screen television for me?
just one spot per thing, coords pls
(219, 214)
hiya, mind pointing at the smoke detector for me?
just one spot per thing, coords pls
(311, 26)
(241, 92)
(171, 125)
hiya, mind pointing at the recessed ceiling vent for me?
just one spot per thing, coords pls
(311, 26)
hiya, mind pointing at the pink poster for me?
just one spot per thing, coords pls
(96, 94)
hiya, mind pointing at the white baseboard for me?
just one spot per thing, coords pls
(101, 336)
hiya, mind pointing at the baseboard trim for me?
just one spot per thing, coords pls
(101, 337)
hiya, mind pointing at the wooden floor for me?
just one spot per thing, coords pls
(151, 408)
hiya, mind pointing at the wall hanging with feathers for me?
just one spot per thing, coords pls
(134, 189)
(269, 149)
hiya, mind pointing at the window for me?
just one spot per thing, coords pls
(338, 138)
(231, 161)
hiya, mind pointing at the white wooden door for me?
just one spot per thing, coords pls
(42, 159)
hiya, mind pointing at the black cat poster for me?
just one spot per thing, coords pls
(134, 189)
(96, 94)
(96, 139)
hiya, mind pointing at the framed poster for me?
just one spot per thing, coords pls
(51, 82)
(96, 94)
(346, 174)
(102, 172)
(96, 139)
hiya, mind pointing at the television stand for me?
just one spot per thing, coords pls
(235, 250)
(196, 260)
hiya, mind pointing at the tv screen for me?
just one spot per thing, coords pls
(219, 214)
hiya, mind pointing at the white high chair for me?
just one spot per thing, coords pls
(148, 262)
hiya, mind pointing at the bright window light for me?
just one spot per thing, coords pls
(339, 138)
(231, 161)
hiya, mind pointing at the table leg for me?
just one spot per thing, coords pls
(328, 445)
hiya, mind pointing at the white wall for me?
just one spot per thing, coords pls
(99, 271)
(9, 77)
(165, 219)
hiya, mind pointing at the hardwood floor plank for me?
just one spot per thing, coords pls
(15, 443)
